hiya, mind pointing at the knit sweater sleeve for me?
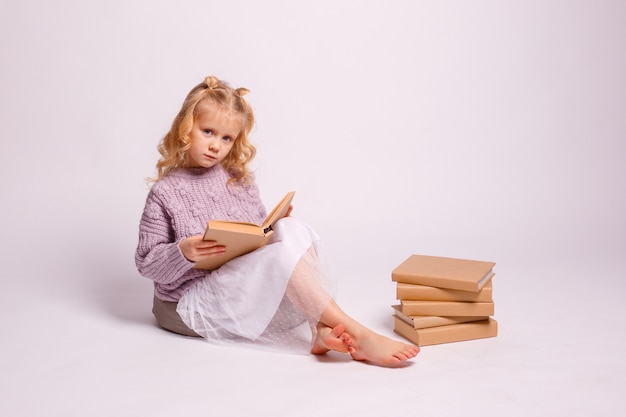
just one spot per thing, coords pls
(158, 256)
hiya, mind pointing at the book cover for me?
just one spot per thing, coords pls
(446, 334)
(423, 292)
(445, 308)
(240, 238)
(442, 272)
(422, 322)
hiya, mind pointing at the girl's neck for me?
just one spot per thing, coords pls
(201, 170)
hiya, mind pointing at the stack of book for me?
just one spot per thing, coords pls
(444, 300)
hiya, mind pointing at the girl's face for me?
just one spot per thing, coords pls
(212, 136)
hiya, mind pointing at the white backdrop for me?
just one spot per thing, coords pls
(491, 130)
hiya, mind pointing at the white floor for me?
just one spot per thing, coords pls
(85, 348)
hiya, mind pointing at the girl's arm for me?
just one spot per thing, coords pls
(158, 255)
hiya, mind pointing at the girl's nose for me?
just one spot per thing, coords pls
(214, 146)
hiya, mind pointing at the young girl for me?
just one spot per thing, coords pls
(277, 297)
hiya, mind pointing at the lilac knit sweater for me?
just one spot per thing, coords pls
(179, 206)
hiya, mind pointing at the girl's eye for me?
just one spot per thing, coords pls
(208, 132)
(228, 139)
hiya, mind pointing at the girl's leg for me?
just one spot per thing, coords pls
(365, 344)
(336, 330)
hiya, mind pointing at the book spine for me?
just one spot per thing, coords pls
(447, 334)
(446, 308)
(423, 322)
(441, 282)
(423, 292)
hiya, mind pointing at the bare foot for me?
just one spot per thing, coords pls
(332, 339)
(381, 350)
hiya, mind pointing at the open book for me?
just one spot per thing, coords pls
(240, 238)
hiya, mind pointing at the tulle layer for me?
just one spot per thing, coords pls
(270, 299)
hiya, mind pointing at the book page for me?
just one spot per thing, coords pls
(279, 211)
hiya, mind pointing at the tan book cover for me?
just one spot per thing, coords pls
(446, 308)
(422, 322)
(446, 334)
(442, 272)
(423, 292)
(240, 238)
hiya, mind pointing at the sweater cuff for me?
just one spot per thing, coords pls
(179, 262)
(170, 271)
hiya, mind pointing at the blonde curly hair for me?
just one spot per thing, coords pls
(175, 144)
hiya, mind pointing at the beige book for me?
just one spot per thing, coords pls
(423, 292)
(446, 308)
(240, 238)
(446, 334)
(442, 272)
(422, 322)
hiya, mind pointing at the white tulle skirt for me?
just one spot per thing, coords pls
(270, 299)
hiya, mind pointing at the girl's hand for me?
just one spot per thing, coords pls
(194, 248)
